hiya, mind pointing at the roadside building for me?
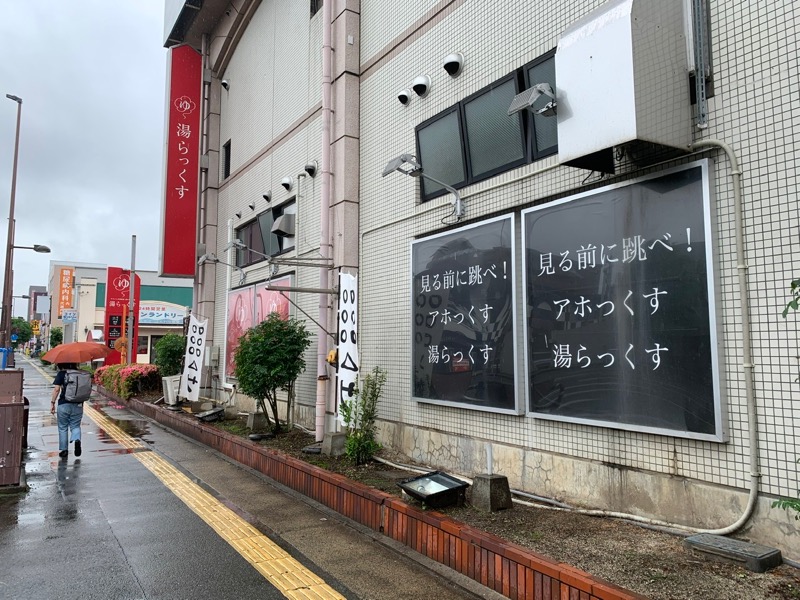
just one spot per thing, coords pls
(78, 305)
(573, 230)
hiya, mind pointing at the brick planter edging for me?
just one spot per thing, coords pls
(507, 568)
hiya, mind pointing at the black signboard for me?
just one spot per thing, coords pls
(463, 307)
(115, 320)
(620, 307)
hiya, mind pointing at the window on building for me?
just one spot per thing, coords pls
(495, 142)
(141, 344)
(477, 139)
(315, 6)
(226, 160)
(440, 150)
(543, 130)
(268, 234)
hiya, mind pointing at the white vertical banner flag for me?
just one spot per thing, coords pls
(347, 351)
(193, 359)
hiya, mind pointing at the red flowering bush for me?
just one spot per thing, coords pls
(127, 380)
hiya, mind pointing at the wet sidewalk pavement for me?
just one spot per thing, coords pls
(147, 513)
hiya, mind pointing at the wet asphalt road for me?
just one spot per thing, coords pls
(104, 526)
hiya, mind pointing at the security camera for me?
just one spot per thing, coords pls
(311, 168)
(226, 84)
(287, 183)
(404, 96)
(453, 63)
(421, 85)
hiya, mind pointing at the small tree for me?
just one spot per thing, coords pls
(56, 336)
(22, 329)
(359, 417)
(270, 358)
(169, 354)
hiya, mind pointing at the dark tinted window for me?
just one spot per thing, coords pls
(440, 152)
(495, 141)
(544, 133)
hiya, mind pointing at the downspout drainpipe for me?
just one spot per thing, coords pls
(747, 359)
(324, 214)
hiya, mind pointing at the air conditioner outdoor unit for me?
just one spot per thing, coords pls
(170, 387)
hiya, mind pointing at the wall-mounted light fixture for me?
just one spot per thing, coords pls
(211, 258)
(526, 99)
(267, 196)
(238, 215)
(421, 85)
(407, 165)
(453, 63)
(404, 96)
(252, 206)
(287, 182)
(311, 168)
(226, 84)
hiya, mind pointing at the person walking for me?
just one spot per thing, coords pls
(69, 413)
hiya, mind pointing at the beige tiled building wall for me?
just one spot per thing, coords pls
(271, 113)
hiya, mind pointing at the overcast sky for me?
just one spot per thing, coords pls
(91, 77)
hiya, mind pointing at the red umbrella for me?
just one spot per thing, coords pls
(76, 352)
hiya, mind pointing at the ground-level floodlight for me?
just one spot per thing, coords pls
(407, 165)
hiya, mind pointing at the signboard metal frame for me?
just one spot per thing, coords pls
(714, 326)
(508, 271)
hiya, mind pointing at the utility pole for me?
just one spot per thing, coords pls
(5, 325)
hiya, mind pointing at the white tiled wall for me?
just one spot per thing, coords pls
(275, 78)
(754, 110)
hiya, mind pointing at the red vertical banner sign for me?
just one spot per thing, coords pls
(118, 283)
(181, 163)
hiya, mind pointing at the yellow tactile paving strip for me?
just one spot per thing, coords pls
(290, 577)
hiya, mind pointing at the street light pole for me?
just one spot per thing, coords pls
(5, 318)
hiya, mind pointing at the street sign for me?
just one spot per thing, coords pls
(69, 315)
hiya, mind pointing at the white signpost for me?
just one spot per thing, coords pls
(193, 359)
(348, 341)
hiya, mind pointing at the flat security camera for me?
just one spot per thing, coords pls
(453, 64)
(404, 96)
(226, 84)
(311, 168)
(421, 85)
(267, 196)
(287, 183)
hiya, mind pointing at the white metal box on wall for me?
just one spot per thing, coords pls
(621, 78)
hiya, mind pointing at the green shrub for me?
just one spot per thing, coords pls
(270, 358)
(170, 350)
(359, 417)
